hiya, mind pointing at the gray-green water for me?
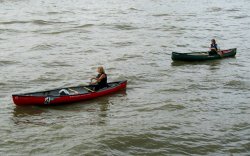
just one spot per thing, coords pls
(168, 108)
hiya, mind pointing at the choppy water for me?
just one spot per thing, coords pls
(168, 108)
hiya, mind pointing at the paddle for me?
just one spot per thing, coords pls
(88, 89)
(76, 92)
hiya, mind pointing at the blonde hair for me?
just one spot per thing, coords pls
(101, 70)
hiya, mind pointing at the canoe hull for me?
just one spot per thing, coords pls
(202, 56)
(25, 100)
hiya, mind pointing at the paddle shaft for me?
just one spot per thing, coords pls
(74, 91)
(88, 89)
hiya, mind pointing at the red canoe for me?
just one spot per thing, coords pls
(78, 93)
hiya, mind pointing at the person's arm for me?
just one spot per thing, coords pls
(100, 78)
(216, 47)
(211, 47)
(92, 80)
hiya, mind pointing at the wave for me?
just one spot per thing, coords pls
(127, 57)
(56, 64)
(41, 47)
(182, 45)
(37, 22)
(46, 79)
(172, 107)
(237, 84)
(165, 107)
(14, 22)
(161, 15)
(5, 62)
(53, 13)
(201, 87)
(84, 26)
(58, 32)
(239, 17)
(134, 9)
(123, 44)
(125, 27)
(233, 10)
(214, 9)
(40, 22)
(176, 89)
(2, 84)
(244, 126)
(8, 30)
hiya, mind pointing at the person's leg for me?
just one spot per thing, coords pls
(212, 52)
(220, 53)
(97, 87)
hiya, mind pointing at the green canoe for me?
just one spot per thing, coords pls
(202, 56)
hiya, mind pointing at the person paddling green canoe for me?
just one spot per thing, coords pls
(214, 48)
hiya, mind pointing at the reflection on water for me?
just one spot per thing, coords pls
(28, 111)
(27, 115)
(208, 62)
(35, 115)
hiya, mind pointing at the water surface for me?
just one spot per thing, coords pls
(168, 108)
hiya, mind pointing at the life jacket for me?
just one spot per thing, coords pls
(214, 46)
(103, 82)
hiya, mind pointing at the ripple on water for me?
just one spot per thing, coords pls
(14, 22)
(42, 22)
(136, 143)
(46, 79)
(178, 88)
(201, 87)
(244, 126)
(27, 111)
(233, 10)
(134, 9)
(56, 64)
(123, 44)
(53, 12)
(161, 15)
(53, 32)
(8, 30)
(124, 27)
(2, 84)
(162, 143)
(239, 16)
(166, 128)
(237, 64)
(62, 12)
(170, 107)
(36, 22)
(214, 9)
(128, 57)
(41, 47)
(169, 28)
(237, 84)
(161, 107)
(85, 26)
(8, 62)
(182, 45)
